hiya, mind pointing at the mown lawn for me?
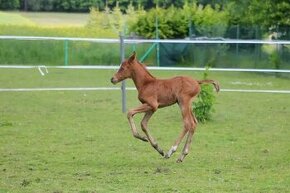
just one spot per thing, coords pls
(80, 141)
(14, 18)
(49, 24)
(57, 19)
(43, 18)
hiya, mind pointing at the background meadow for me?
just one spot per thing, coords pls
(80, 141)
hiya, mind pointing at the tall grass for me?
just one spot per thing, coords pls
(52, 52)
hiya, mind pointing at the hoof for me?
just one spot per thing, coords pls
(161, 153)
(141, 138)
(179, 160)
(144, 139)
(167, 156)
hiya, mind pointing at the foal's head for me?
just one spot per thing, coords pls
(125, 70)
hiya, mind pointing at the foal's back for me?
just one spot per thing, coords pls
(170, 91)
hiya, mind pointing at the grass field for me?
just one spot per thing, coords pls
(57, 19)
(49, 24)
(80, 141)
(43, 18)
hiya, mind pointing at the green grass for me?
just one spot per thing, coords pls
(46, 19)
(52, 52)
(12, 18)
(81, 142)
(49, 24)
(57, 19)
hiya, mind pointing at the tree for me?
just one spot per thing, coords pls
(207, 21)
(210, 22)
(166, 19)
(270, 13)
(9, 5)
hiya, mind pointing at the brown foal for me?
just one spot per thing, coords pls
(156, 93)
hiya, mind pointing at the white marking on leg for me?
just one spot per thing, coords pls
(172, 150)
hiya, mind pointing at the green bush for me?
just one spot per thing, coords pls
(203, 107)
(167, 20)
(174, 23)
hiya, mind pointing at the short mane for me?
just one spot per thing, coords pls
(145, 69)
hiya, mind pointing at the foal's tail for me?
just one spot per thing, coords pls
(215, 83)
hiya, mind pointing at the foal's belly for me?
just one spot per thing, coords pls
(165, 100)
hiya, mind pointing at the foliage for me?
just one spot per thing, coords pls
(9, 4)
(210, 22)
(84, 5)
(272, 16)
(207, 17)
(95, 19)
(61, 5)
(275, 60)
(237, 12)
(203, 107)
(114, 19)
(270, 13)
(166, 19)
(207, 21)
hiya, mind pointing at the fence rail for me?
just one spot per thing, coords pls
(128, 89)
(122, 41)
(149, 67)
(136, 41)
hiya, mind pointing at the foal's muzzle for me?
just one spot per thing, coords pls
(114, 80)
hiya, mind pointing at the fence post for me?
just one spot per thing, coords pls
(190, 29)
(237, 37)
(157, 36)
(122, 58)
(65, 52)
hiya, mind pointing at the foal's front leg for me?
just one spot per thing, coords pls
(131, 113)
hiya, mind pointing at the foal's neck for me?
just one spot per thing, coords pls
(141, 76)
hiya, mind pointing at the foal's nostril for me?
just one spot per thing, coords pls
(113, 80)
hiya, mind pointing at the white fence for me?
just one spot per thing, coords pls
(44, 69)
(138, 41)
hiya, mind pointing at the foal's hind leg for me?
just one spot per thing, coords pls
(189, 125)
(176, 144)
(183, 104)
(144, 127)
(187, 144)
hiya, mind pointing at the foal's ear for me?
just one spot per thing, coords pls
(132, 57)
